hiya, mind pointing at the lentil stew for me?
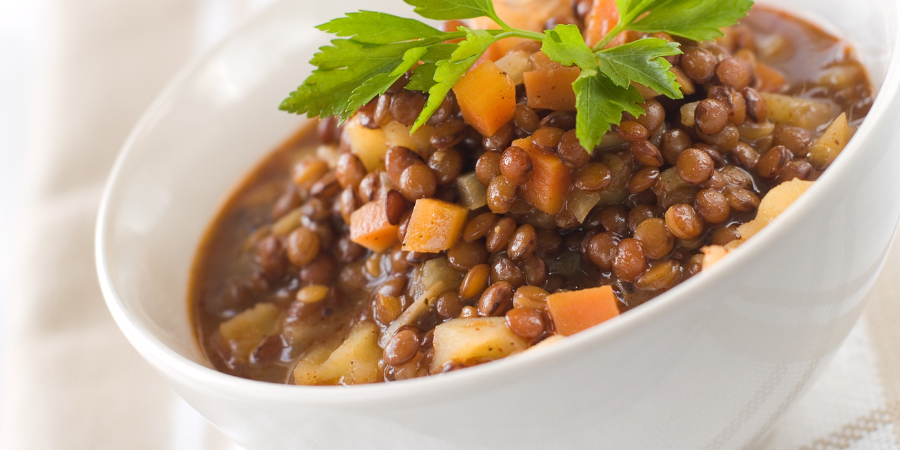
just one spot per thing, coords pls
(358, 253)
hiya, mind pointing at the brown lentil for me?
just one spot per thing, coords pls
(406, 106)
(501, 195)
(522, 243)
(695, 166)
(488, 167)
(712, 206)
(479, 226)
(515, 166)
(466, 255)
(446, 165)
(655, 238)
(594, 176)
(724, 235)
(683, 222)
(495, 300)
(547, 137)
(601, 250)
(504, 269)
(661, 275)
(448, 134)
(401, 347)
(698, 64)
(475, 282)
(740, 199)
(630, 261)
(733, 72)
(302, 246)
(526, 119)
(632, 131)
(449, 305)
(500, 234)
(643, 179)
(500, 140)
(773, 162)
(526, 322)
(418, 181)
(644, 152)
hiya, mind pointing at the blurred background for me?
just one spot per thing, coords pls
(21, 24)
(29, 51)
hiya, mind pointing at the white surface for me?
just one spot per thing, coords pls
(712, 363)
(21, 25)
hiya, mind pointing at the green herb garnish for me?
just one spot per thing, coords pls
(380, 48)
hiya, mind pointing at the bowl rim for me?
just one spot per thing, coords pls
(485, 375)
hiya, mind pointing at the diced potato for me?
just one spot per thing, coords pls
(688, 113)
(547, 342)
(575, 311)
(397, 135)
(369, 145)
(370, 228)
(433, 279)
(246, 330)
(551, 89)
(289, 222)
(329, 154)
(799, 112)
(838, 77)
(712, 254)
(439, 272)
(823, 152)
(684, 82)
(434, 226)
(474, 341)
(751, 131)
(355, 361)
(472, 194)
(580, 203)
(773, 204)
(487, 98)
(308, 171)
(550, 180)
(514, 65)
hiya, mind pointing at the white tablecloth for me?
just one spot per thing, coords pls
(72, 381)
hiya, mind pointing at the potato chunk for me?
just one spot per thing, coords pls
(355, 361)
(773, 204)
(798, 112)
(246, 330)
(369, 145)
(474, 341)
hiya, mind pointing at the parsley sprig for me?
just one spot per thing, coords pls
(377, 49)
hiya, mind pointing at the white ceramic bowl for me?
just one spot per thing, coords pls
(710, 364)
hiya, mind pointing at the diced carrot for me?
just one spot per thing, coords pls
(434, 226)
(603, 17)
(486, 97)
(551, 88)
(370, 228)
(576, 311)
(550, 179)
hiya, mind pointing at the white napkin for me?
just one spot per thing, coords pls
(72, 380)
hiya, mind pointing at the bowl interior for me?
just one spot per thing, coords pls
(220, 117)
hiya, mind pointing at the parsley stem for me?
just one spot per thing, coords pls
(609, 37)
